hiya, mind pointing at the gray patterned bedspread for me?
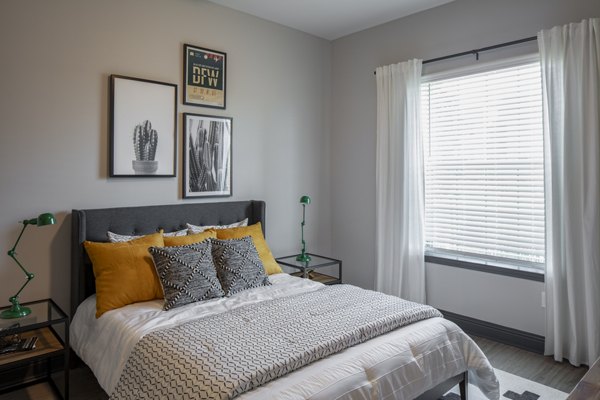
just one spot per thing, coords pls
(225, 355)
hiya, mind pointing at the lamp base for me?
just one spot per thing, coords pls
(16, 311)
(303, 257)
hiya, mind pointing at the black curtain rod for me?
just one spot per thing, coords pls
(477, 51)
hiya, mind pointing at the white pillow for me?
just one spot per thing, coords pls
(117, 238)
(193, 229)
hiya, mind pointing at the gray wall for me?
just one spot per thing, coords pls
(455, 27)
(55, 59)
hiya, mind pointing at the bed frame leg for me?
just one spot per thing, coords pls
(464, 386)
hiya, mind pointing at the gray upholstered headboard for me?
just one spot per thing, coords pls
(93, 224)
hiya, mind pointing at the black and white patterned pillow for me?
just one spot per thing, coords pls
(193, 229)
(238, 265)
(118, 238)
(187, 273)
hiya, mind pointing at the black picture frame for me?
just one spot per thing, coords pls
(143, 128)
(204, 77)
(207, 156)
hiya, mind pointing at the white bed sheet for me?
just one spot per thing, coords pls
(398, 365)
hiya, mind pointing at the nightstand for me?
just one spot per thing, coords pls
(331, 268)
(45, 320)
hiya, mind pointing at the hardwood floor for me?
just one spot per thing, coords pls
(536, 367)
(562, 376)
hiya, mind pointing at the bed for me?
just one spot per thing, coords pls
(422, 360)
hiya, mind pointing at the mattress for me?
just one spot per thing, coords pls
(401, 364)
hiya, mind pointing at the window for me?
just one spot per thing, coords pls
(484, 166)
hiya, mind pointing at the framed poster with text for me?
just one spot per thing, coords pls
(203, 77)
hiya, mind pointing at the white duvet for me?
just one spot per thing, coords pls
(399, 365)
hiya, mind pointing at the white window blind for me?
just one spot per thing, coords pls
(484, 166)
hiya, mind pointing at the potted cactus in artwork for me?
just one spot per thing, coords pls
(145, 141)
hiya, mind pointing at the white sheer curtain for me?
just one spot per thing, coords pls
(570, 58)
(400, 201)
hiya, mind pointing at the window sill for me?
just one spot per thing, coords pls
(514, 273)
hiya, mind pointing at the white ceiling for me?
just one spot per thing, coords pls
(330, 19)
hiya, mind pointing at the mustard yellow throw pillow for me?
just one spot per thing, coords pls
(189, 239)
(124, 272)
(255, 231)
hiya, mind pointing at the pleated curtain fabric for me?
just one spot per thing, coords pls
(399, 184)
(570, 57)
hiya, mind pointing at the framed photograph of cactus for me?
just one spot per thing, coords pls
(203, 77)
(206, 156)
(143, 127)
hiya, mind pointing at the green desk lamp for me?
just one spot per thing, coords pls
(17, 311)
(303, 257)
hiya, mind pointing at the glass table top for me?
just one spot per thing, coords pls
(42, 312)
(316, 261)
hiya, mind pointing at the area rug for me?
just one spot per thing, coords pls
(512, 387)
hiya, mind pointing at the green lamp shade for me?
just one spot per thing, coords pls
(46, 219)
(41, 220)
(305, 200)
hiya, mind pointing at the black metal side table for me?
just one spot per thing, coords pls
(331, 268)
(45, 319)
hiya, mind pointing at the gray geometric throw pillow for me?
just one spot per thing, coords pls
(238, 265)
(187, 273)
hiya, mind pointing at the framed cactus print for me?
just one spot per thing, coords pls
(143, 128)
(206, 156)
(204, 77)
